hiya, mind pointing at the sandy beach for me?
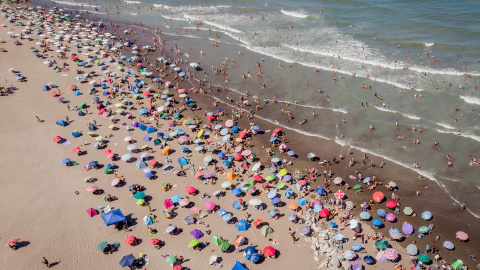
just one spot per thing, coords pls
(40, 205)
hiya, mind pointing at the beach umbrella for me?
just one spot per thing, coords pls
(317, 208)
(91, 188)
(339, 237)
(382, 244)
(354, 224)
(427, 215)
(210, 205)
(368, 259)
(131, 147)
(170, 228)
(102, 245)
(462, 236)
(127, 260)
(171, 259)
(236, 191)
(272, 194)
(391, 254)
(254, 257)
(424, 258)
(348, 255)
(324, 212)
(226, 184)
(378, 196)
(255, 202)
(190, 190)
(381, 212)
(365, 215)
(126, 157)
(380, 257)
(377, 222)
(141, 201)
(320, 191)
(167, 203)
(338, 180)
(423, 229)
(391, 204)
(408, 211)
(130, 239)
(356, 247)
(292, 217)
(448, 245)
(217, 240)
(349, 206)
(227, 217)
(188, 220)
(269, 251)
(339, 194)
(139, 195)
(176, 198)
(277, 200)
(224, 246)
(390, 217)
(396, 235)
(358, 186)
(407, 228)
(57, 138)
(357, 266)
(412, 250)
(115, 182)
(332, 224)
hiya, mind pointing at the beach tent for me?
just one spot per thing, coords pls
(265, 230)
(113, 217)
(239, 266)
(76, 134)
(62, 123)
(242, 225)
(150, 129)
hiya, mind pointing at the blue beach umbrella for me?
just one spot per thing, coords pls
(381, 212)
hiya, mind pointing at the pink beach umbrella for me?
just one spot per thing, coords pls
(391, 254)
(462, 236)
(390, 217)
(167, 203)
(210, 205)
(339, 194)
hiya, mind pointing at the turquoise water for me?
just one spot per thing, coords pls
(404, 49)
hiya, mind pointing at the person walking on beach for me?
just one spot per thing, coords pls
(38, 119)
(292, 234)
(45, 262)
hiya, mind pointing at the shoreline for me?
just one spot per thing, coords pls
(385, 177)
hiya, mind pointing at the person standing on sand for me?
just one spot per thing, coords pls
(45, 262)
(292, 234)
(464, 205)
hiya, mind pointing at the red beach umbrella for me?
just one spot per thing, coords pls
(339, 194)
(76, 149)
(269, 251)
(391, 204)
(324, 212)
(130, 239)
(190, 190)
(57, 138)
(378, 196)
(154, 241)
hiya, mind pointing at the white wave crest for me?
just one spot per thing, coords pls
(296, 14)
(75, 4)
(471, 100)
(429, 44)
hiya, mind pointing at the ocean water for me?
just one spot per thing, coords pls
(403, 49)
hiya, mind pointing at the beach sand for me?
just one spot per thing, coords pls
(39, 204)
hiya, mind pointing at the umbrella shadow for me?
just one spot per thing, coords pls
(148, 198)
(54, 264)
(23, 244)
(132, 160)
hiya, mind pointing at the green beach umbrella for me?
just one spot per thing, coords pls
(217, 240)
(270, 178)
(193, 243)
(250, 183)
(297, 176)
(143, 70)
(97, 61)
(32, 48)
(91, 133)
(156, 95)
(226, 184)
(225, 245)
(136, 95)
(171, 259)
(408, 211)
(141, 201)
(189, 122)
(120, 67)
(99, 138)
(102, 245)
(108, 171)
(166, 92)
(357, 187)
(192, 104)
(382, 244)
(82, 105)
(423, 258)
(281, 185)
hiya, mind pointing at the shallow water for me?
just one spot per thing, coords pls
(367, 38)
